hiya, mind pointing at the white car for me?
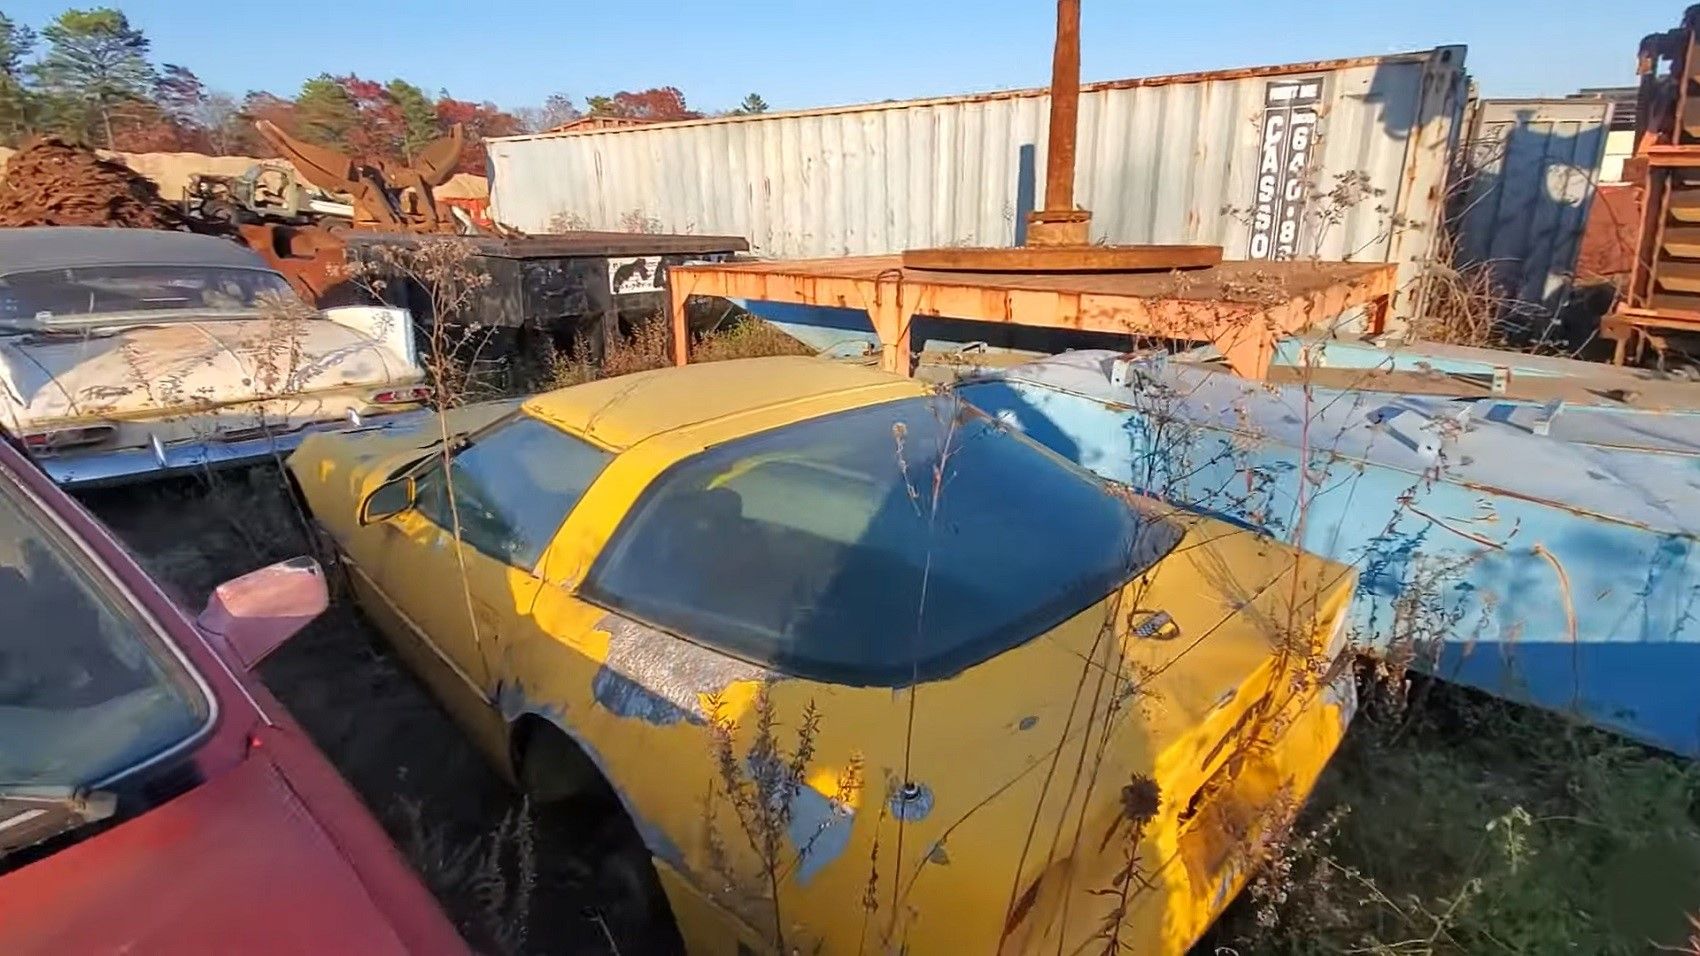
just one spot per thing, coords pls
(132, 353)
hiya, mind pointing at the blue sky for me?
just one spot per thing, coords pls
(803, 54)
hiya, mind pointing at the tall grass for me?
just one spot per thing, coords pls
(1467, 824)
(645, 347)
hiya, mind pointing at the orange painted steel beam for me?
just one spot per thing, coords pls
(1243, 308)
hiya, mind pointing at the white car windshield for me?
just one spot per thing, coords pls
(51, 296)
(88, 688)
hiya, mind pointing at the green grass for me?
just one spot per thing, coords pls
(1463, 824)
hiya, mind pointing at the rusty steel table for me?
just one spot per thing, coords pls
(1242, 308)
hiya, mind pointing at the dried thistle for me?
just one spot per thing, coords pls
(1141, 798)
(761, 786)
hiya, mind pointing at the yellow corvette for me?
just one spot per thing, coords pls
(867, 671)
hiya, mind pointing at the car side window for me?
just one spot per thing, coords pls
(511, 488)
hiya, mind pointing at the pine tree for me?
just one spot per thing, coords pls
(324, 112)
(16, 42)
(418, 116)
(95, 63)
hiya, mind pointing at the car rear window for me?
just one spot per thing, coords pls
(80, 291)
(907, 539)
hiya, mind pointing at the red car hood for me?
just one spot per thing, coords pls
(239, 864)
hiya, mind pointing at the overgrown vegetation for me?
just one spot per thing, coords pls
(1463, 303)
(646, 347)
(497, 871)
(454, 344)
(1468, 825)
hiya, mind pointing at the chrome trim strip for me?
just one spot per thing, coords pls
(93, 469)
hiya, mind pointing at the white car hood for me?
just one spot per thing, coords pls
(187, 365)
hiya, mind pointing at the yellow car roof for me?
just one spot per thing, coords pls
(620, 412)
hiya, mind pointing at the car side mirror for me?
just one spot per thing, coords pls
(391, 499)
(254, 614)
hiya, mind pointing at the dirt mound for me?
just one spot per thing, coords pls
(50, 182)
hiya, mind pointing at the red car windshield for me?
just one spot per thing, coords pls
(89, 691)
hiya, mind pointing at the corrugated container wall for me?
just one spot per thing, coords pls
(1337, 159)
(1527, 181)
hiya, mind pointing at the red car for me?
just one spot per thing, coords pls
(154, 798)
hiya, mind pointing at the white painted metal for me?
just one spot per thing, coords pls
(1166, 159)
(1531, 166)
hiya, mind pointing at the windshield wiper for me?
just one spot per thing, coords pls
(29, 815)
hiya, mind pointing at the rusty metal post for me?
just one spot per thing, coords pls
(678, 297)
(1065, 107)
(1058, 237)
(1059, 223)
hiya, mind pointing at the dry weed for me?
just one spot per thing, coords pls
(444, 269)
(634, 220)
(497, 870)
(761, 785)
(646, 347)
(750, 338)
(567, 222)
(643, 349)
(1463, 304)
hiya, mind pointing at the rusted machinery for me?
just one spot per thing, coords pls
(1660, 308)
(386, 197)
(560, 285)
(1058, 238)
(265, 192)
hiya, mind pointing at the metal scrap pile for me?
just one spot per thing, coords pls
(50, 182)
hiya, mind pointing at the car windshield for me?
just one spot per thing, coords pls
(87, 688)
(907, 539)
(75, 295)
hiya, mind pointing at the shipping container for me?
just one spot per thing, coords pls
(1341, 159)
(1524, 189)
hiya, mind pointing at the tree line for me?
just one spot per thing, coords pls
(87, 76)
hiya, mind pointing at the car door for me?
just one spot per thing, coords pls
(507, 492)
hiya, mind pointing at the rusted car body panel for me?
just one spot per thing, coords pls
(255, 845)
(927, 827)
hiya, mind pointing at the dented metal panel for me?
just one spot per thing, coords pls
(1191, 159)
(1531, 167)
